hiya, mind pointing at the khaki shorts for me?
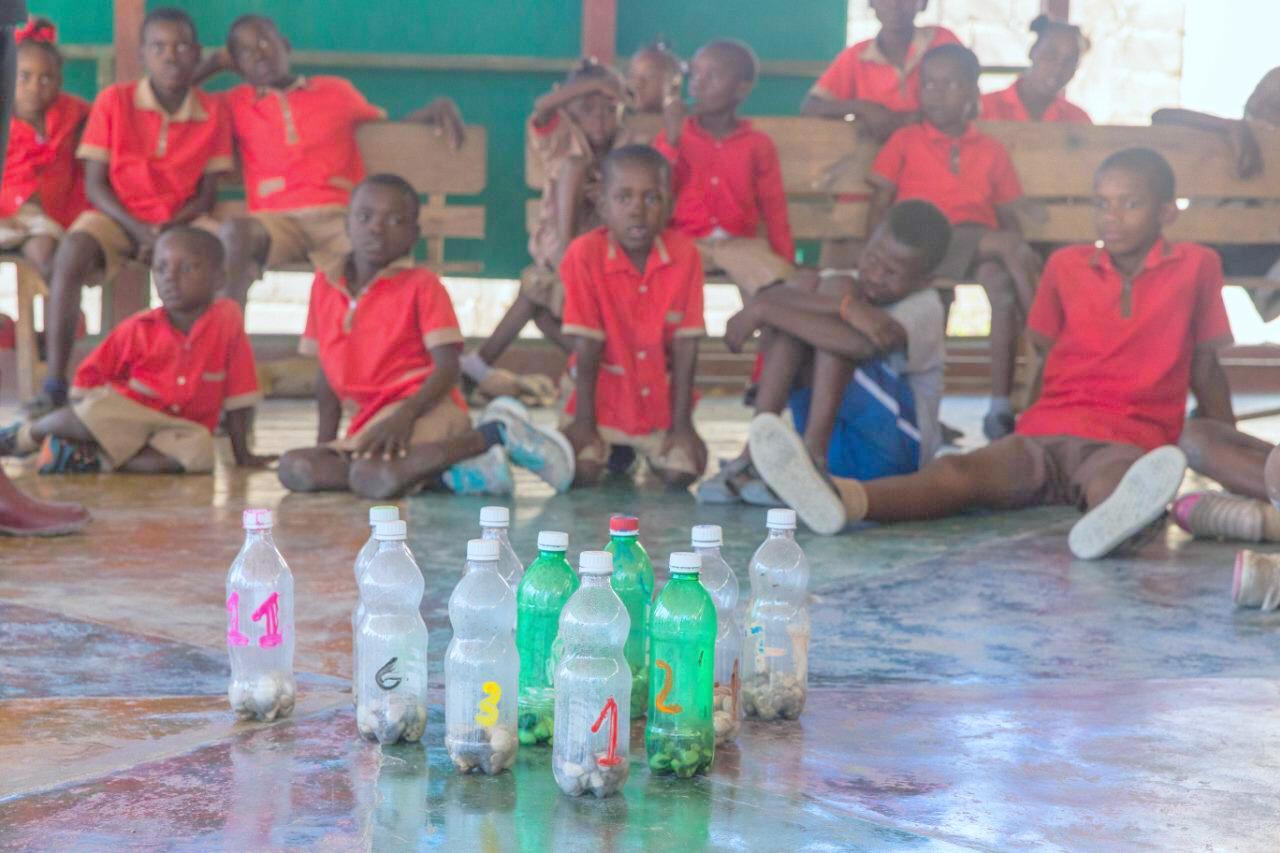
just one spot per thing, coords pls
(317, 236)
(122, 428)
(749, 261)
(445, 420)
(116, 244)
(28, 221)
(543, 288)
(1055, 469)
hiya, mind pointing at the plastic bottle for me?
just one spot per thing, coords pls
(391, 696)
(481, 667)
(633, 582)
(775, 649)
(260, 625)
(679, 735)
(365, 554)
(721, 584)
(495, 522)
(589, 753)
(543, 591)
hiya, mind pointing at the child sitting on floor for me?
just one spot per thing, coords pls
(727, 178)
(148, 398)
(572, 128)
(858, 359)
(1127, 328)
(387, 339)
(633, 305)
(945, 160)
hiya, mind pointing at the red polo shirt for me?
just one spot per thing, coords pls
(195, 376)
(375, 348)
(298, 145)
(155, 159)
(863, 73)
(638, 316)
(43, 167)
(1120, 366)
(733, 184)
(967, 177)
(1007, 105)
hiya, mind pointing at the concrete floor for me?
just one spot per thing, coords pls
(971, 687)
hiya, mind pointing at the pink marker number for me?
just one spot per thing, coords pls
(611, 710)
(271, 609)
(234, 637)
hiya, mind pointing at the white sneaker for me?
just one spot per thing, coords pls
(783, 462)
(1140, 499)
(545, 452)
(486, 474)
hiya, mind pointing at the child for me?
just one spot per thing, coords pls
(147, 399)
(633, 304)
(1037, 93)
(387, 339)
(728, 181)
(869, 351)
(43, 185)
(945, 160)
(296, 137)
(878, 81)
(570, 131)
(152, 150)
(1128, 328)
(652, 74)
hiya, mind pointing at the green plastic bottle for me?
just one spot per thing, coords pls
(541, 595)
(633, 582)
(680, 735)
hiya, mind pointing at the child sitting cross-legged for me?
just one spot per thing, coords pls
(147, 399)
(1128, 329)
(388, 342)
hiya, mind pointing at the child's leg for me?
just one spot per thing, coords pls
(247, 244)
(381, 479)
(998, 284)
(148, 460)
(62, 423)
(831, 376)
(39, 250)
(507, 330)
(314, 469)
(1223, 453)
(77, 257)
(784, 358)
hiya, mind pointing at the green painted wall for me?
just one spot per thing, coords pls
(809, 30)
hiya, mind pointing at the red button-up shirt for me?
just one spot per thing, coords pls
(862, 72)
(43, 166)
(1007, 105)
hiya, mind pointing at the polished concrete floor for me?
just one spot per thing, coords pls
(972, 687)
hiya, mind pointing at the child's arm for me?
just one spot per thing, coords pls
(876, 120)
(684, 359)
(771, 195)
(1244, 145)
(583, 432)
(821, 320)
(389, 438)
(214, 62)
(544, 109)
(443, 114)
(328, 410)
(882, 196)
(1209, 384)
(97, 186)
(238, 432)
(199, 204)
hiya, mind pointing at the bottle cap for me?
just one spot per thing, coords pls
(495, 516)
(390, 531)
(781, 519)
(707, 536)
(383, 513)
(257, 519)
(595, 563)
(553, 540)
(482, 550)
(684, 563)
(624, 525)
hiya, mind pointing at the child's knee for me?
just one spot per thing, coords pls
(587, 474)
(297, 471)
(1197, 441)
(375, 479)
(835, 285)
(77, 253)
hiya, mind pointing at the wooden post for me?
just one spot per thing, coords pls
(1059, 10)
(126, 36)
(599, 29)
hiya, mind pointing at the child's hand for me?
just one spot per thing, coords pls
(582, 435)
(885, 333)
(685, 438)
(145, 236)
(739, 329)
(388, 438)
(673, 112)
(253, 460)
(443, 115)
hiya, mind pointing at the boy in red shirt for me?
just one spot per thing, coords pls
(388, 343)
(727, 179)
(147, 399)
(1037, 93)
(1128, 329)
(945, 160)
(633, 304)
(296, 137)
(152, 152)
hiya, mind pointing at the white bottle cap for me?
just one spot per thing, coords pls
(684, 562)
(595, 563)
(390, 531)
(257, 519)
(383, 513)
(553, 540)
(495, 516)
(482, 550)
(708, 536)
(781, 519)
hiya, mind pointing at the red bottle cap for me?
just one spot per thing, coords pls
(624, 524)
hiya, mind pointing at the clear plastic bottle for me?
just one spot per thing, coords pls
(481, 667)
(260, 625)
(633, 582)
(679, 735)
(367, 550)
(543, 591)
(592, 743)
(720, 582)
(775, 648)
(495, 522)
(391, 643)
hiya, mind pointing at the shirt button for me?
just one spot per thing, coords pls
(644, 392)
(644, 288)
(175, 408)
(714, 180)
(715, 220)
(182, 380)
(640, 355)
